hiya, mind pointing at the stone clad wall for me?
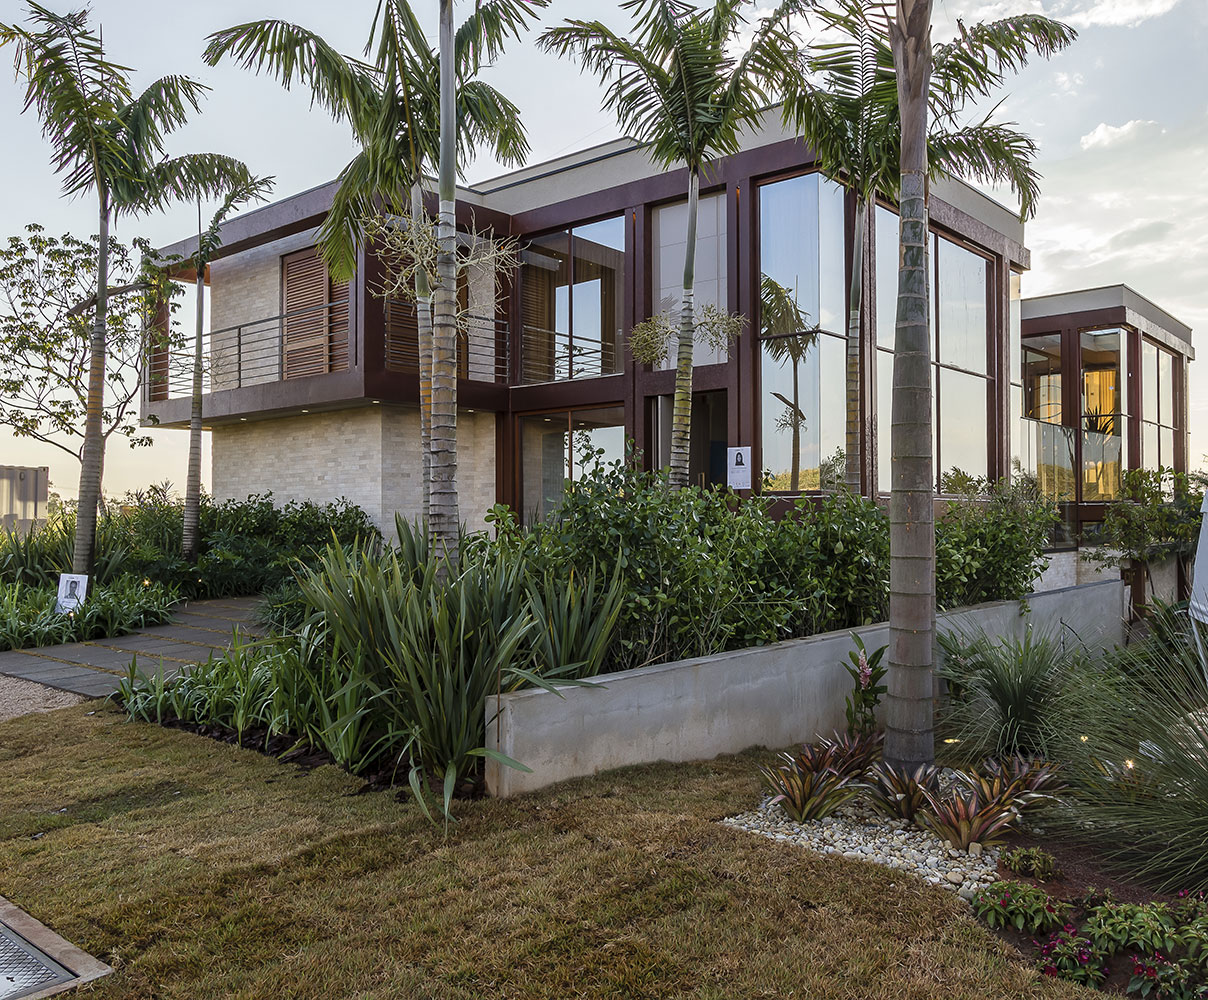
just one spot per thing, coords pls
(369, 455)
(770, 696)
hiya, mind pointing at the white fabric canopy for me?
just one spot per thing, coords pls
(1199, 585)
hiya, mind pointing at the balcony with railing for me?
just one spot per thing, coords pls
(482, 344)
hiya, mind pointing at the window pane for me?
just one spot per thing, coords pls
(544, 452)
(1042, 378)
(1166, 446)
(600, 430)
(1047, 452)
(1149, 381)
(1016, 319)
(788, 256)
(599, 298)
(802, 390)
(1165, 390)
(1016, 425)
(962, 430)
(887, 276)
(832, 257)
(709, 285)
(1150, 456)
(545, 308)
(962, 307)
(884, 402)
(1102, 380)
(1102, 459)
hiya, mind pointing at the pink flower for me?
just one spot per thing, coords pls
(865, 672)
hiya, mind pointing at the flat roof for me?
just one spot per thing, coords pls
(1143, 313)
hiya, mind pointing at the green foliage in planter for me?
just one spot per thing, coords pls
(989, 546)
(1033, 862)
(1020, 906)
(1156, 516)
(1117, 927)
(28, 616)
(1158, 977)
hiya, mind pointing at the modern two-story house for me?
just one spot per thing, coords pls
(312, 386)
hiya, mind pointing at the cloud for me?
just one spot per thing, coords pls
(1069, 83)
(1112, 13)
(1103, 135)
(1140, 235)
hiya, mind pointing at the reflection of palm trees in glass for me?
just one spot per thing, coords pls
(1101, 431)
(787, 337)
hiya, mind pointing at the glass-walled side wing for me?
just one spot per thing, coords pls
(669, 244)
(557, 449)
(572, 303)
(802, 338)
(1046, 445)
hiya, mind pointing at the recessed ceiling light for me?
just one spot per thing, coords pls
(243, 419)
(306, 411)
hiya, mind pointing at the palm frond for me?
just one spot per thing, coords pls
(209, 241)
(974, 63)
(991, 153)
(295, 55)
(481, 37)
(194, 176)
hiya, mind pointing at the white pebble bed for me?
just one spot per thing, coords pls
(855, 830)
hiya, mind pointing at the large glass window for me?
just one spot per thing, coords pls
(802, 319)
(670, 236)
(556, 449)
(572, 302)
(1158, 409)
(1046, 446)
(961, 402)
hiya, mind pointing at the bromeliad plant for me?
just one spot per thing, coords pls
(963, 816)
(901, 793)
(866, 673)
(807, 785)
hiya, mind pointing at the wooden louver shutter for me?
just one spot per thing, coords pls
(537, 320)
(305, 348)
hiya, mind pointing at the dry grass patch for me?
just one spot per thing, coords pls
(202, 871)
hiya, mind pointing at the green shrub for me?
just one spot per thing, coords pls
(1118, 927)
(28, 617)
(990, 546)
(1034, 862)
(1140, 778)
(1020, 906)
(1006, 695)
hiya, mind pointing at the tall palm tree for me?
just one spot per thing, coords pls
(676, 85)
(935, 83)
(392, 101)
(109, 141)
(208, 242)
(846, 107)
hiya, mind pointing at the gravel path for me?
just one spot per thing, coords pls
(18, 697)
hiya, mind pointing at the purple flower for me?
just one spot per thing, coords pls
(865, 672)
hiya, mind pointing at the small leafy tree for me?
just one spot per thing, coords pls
(47, 306)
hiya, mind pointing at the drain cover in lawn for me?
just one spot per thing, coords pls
(24, 970)
(35, 961)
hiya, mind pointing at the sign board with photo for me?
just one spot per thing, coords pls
(73, 588)
(738, 468)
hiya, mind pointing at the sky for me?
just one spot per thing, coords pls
(1121, 120)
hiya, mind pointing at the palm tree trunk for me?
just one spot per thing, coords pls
(855, 449)
(423, 325)
(192, 512)
(910, 736)
(93, 456)
(443, 516)
(681, 425)
(795, 468)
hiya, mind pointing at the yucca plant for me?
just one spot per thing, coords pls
(961, 816)
(577, 618)
(900, 792)
(807, 792)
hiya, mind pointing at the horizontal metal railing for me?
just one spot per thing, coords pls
(482, 344)
(552, 356)
(302, 342)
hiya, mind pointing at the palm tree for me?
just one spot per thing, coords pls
(787, 336)
(937, 82)
(393, 104)
(846, 107)
(676, 86)
(208, 242)
(109, 141)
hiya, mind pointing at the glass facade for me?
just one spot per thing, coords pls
(572, 302)
(669, 243)
(960, 281)
(1158, 424)
(802, 317)
(1104, 421)
(557, 448)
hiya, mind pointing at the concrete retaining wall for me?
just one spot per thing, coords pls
(763, 696)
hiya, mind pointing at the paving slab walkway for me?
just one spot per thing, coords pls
(198, 630)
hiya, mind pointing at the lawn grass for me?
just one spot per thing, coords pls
(202, 871)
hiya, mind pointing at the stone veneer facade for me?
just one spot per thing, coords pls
(368, 455)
